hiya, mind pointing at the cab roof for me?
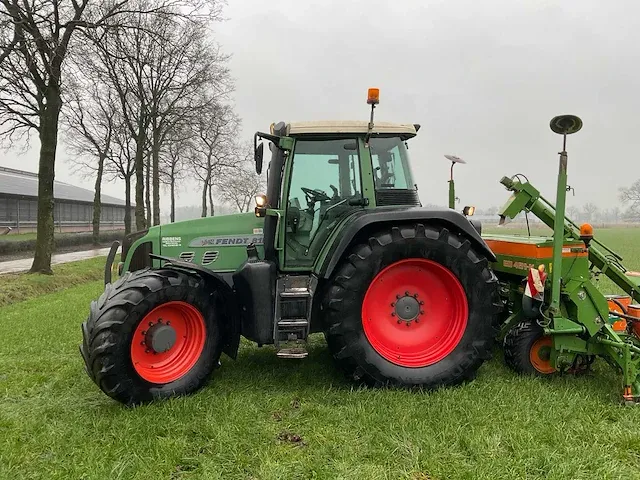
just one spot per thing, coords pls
(340, 127)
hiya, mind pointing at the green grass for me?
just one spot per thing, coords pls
(245, 424)
(17, 237)
(265, 418)
(22, 286)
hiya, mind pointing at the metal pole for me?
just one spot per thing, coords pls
(452, 189)
(558, 231)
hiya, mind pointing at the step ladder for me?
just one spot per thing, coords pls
(292, 324)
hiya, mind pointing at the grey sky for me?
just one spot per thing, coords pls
(482, 78)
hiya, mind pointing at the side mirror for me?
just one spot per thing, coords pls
(257, 156)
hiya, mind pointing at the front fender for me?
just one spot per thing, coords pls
(373, 219)
(231, 313)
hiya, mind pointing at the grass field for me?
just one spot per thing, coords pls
(17, 237)
(265, 418)
(18, 287)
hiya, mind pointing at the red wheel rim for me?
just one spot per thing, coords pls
(172, 364)
(391, 301)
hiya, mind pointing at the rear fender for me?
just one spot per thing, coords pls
(369, 221)
(227, 300)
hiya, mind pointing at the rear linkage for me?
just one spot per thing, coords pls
(579, 319)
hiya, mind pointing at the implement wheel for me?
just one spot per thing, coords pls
(527, 350)
(153, 334)
(415, 306)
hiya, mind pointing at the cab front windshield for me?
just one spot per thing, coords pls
(390, 161)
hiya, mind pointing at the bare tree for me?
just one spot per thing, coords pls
(212, 148)
(591, 211)
(90, 121)
(121, 164)
(239, 186)
(34, 40)
(35, 37)
(173, 156)
(574, 213)
(147, 188)
(184, 64)
(631, 196)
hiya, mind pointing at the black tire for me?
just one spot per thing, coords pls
(343, 300)
(518, 343)
(107, 334)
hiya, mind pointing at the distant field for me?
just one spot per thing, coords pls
(265, 418)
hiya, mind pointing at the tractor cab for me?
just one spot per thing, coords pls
(320, 173)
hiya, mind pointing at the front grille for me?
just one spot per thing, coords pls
(385, 198)
(209, 257)
(187, 256)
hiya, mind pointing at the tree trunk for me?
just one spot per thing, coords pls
(147, 192)
(46, 176)
(204, 198)
(96, 201)
(173, 197)
(139, 168)
(211, 200)
(156, 175)
(127, 205)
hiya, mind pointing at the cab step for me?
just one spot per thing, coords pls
(293, 314)
(293, 352)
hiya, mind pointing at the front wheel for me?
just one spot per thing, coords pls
(415, 306)
(153, 334)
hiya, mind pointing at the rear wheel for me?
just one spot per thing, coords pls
(417, 305)
(527, 350)
(152, 334)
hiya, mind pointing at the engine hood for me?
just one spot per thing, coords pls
(218, 243)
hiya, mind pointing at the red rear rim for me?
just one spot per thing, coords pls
(414, 312)
(177, 321)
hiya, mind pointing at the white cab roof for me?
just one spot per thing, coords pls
(405, 130)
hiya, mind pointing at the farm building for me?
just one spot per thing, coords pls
(73, 210)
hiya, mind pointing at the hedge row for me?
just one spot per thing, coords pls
(61, 241)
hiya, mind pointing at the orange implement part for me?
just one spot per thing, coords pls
(529, 250)
(634, 311)
(540, 355)
(619, 325)
(625, 300)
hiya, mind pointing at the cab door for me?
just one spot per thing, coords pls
(325, 186)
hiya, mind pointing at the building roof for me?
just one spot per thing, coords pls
(18, 182)
(405, 130)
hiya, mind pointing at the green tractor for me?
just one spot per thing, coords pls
(339, 245)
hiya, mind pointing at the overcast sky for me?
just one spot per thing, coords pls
(482, 78)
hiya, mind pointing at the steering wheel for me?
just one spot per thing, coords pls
(313, 196)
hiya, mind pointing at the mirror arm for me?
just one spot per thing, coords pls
(273, 138)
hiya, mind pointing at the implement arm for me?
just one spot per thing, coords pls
(527, 198)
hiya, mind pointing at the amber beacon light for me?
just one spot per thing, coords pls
(373, 96)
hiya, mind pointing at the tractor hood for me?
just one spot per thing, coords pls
(218, 243)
